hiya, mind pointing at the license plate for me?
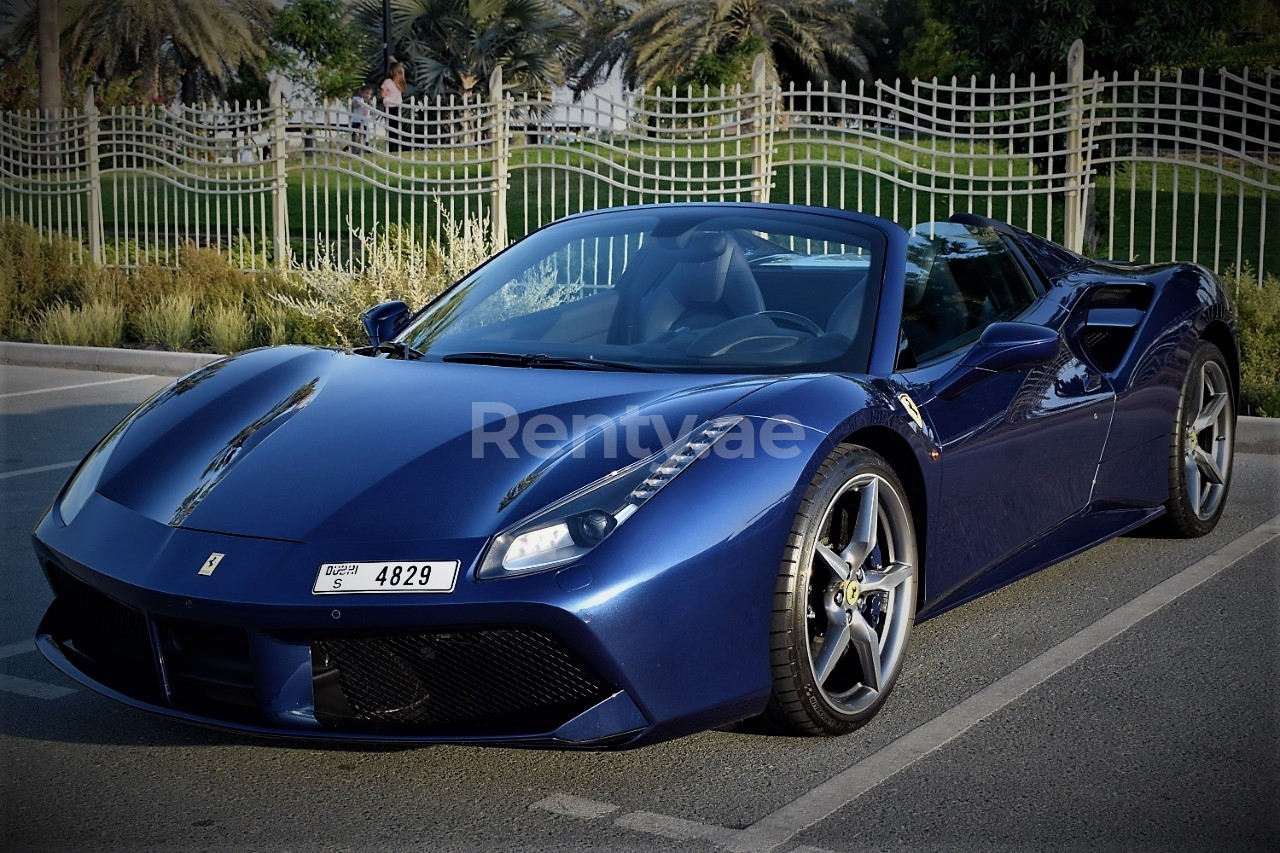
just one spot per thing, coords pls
(404, 576)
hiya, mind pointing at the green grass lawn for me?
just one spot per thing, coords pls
(1145, 212)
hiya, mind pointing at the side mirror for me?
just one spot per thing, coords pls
(384, 321)
(1002, 346)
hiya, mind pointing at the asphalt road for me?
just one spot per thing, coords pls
(1124, 699)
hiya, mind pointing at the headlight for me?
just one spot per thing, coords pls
(571, 527)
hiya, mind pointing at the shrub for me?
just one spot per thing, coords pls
(396, 265)
(99, 323)
(1258, 324)
(168, 321)
(227, 328)
(35, 273)
(270, 320)
(205, 273)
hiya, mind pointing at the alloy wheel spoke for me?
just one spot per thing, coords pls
(866, 642)
(1209, 466)
(864, 529)
(832, 561)
(887, 581)
(1209, 414)
(834, 645)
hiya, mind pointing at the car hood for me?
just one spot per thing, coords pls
(309, 444)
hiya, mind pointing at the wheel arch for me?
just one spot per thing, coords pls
(1219, 334)
(902, 459)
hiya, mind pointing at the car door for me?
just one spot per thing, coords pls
(1020, 445)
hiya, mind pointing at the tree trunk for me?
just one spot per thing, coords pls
(49, 47)
(150, 82)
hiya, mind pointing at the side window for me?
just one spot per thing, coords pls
(960, 279)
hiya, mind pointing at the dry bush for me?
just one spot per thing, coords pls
(35, 273)
(1258, 325)
(168, 321)
(396, 266)
(98, 323)
(227, 327)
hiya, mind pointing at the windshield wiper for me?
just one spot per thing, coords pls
(511, 359)
(397, 349)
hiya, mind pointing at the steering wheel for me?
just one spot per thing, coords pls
(793, 320)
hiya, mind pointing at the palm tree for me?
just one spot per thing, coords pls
(818, 40)
(452, 46)
(49, 51)
(201, 41)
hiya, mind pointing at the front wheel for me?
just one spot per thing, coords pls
(1201, 447)
(845, 599)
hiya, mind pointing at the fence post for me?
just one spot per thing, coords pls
(280, 187)
(1073, 218)
(761, 137)
(93, 161)
(500, 153)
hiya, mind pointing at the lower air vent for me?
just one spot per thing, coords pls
(209, 669)
(105, 639)
(508, 681)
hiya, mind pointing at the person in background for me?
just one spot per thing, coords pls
(392, 98)
(361, 117)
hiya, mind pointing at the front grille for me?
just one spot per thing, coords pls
(107, 640)
(209, 667)
(488, 681)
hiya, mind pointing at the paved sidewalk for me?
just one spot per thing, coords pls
(108, 359)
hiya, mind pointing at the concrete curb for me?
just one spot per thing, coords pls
(106, 359)
(1258, 435)
(1253, 435)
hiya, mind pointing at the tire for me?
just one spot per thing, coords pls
(1202, 444)
(854, 531)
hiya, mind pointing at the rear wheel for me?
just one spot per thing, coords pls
(846, 595)
(1202, 444)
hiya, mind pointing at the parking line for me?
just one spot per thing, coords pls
(34, 689)
(74, 387)
(782, 825)
(39, 469)
(571, 806)
(675, 828)
(651, 823)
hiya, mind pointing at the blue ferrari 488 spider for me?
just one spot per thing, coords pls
(650, 470)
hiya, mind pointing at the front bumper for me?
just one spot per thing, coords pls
(482, 685)
(583, 657)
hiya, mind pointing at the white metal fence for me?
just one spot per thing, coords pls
(1147, 168)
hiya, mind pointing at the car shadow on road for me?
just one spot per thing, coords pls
(86, 718)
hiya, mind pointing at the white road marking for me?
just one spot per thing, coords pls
(675, 827)
(12, 650)
(782, 825)
(39, 469)
(571, 806)
(34, 689)
(651, 823)
(74, 387)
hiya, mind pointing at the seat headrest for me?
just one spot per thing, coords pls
(700, 267)
(702, 246)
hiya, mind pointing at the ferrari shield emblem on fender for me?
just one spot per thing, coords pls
(912, 409)
(211, 564)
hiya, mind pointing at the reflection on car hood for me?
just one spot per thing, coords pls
(311, 444)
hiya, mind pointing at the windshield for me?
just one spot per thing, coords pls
(689, 289)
